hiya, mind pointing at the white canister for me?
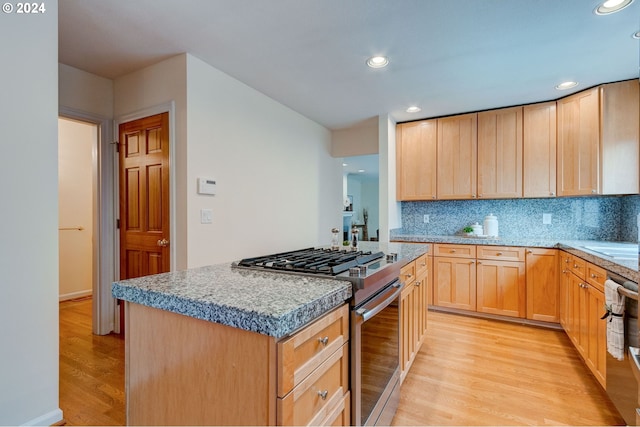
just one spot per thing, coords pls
(477, 229)
(491, 225)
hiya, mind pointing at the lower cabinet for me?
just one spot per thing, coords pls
(542, 284)
(313, 373)
(414, 301)
(501, 283)
(454, 276)
(581, 309)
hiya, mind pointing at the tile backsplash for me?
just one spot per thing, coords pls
(578, 218)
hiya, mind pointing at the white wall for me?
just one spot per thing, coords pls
(278, 188)
(390, 215)
(76, 144)
(29, 225)
(85, 92)
(154, 86)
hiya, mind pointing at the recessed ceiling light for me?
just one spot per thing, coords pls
(566, 85)
(636, 35)
(611, 6)
(345, 164)
(378, 61)
(413, 109)
(360, 170)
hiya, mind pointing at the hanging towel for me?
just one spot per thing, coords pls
(614, 304)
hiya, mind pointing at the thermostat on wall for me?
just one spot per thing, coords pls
(206, 186)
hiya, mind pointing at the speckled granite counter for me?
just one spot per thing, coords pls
(269, 303)
(627, 269)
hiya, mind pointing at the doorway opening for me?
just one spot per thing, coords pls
(361, 196)
(77, 188)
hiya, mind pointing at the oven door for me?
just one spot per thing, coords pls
(375, 357)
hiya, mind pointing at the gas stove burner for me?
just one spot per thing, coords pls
(312, 260)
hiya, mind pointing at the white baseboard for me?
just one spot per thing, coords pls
(53, 417)
(74, 295)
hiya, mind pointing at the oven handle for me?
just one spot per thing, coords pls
(367, 314)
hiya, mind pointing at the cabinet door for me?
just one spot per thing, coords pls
(542, 284)
(579, 143)
(416, 144)
(501, 288)
(580, 333)
(566, 306)
(596, 345)
(454, 283)
(539, 150)
(500, 153)
(457, 157)
(407, 328)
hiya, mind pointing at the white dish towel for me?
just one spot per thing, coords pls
(614, 304)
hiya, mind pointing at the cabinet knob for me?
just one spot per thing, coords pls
(452, 251)
(418, 282)
(529, 251)
(499, 254)
(473, 196)
(472, 262)
(323, 394)
(324, 341)
(593, 191)
(433, 197)
(552, 194)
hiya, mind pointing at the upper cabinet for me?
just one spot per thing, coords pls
(598, 143)
(457, 157)
(416, 160)
(500, 153)
(539, 150)
(585, 144)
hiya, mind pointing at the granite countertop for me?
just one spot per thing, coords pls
(625, 268)
(269, 303)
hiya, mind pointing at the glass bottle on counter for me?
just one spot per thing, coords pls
(335, 239)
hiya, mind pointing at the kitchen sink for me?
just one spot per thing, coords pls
(618, 251)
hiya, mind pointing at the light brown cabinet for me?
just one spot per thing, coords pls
(413, 310)
(501, 281)
(542, 282)
(416, 144)
(454, 276)
(500, 153)
(598, 141)
(539, 150)
(457, 157)
(582, 309)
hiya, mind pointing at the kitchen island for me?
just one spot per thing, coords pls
(207, 346)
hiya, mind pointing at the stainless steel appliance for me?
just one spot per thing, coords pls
(623, 375)
(374, 325)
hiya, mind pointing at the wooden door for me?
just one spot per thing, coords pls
(454, 283)
(457, 157)
(416, 160)
(500, 153)
(597, 334)
(501, 288)
(542, 284)
(144, 196)
(539, 150)
(579, 143)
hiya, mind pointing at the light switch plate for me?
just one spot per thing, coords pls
(206, 216)
(546, 218)
(425, 219)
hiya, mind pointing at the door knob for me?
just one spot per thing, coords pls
(163, 243)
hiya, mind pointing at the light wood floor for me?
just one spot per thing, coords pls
(469, 372)
(91, 370)
(474, 371)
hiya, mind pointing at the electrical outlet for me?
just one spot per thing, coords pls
(546, 218)
(425, 219)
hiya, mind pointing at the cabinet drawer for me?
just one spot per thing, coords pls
(408, 273)
(421, 265)
(578, 267)
(501, 253)
(456, 251)
(303, 352)
(596, 276)
(338, 414)
(318, 393)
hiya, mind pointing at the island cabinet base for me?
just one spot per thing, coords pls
(186, 371)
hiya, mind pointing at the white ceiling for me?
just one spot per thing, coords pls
(447, 57)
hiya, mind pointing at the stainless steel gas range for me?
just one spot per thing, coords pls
(374, 323)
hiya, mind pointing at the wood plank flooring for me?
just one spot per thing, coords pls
(473, 371)
(470, 371)
(91, 369)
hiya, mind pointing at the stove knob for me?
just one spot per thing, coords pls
(363, 270)
(392, 257)
(354, 272)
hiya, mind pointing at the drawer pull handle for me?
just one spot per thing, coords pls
(324, 341)
(323, 394)
(453, 251)
(499, 254)
(418, 282)
(529, 251)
